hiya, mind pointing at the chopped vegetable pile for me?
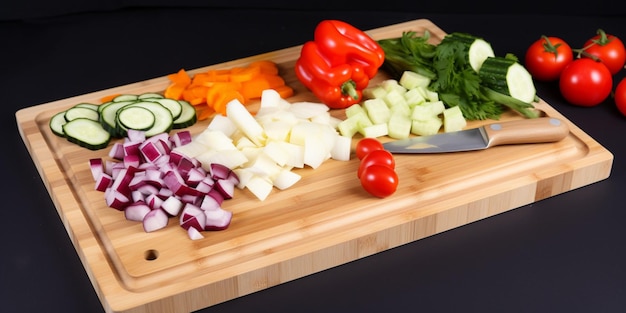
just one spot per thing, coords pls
(454, 65)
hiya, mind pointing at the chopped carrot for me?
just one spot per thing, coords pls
(210, 91)
(108, 98)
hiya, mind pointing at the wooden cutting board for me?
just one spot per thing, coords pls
(324, 221)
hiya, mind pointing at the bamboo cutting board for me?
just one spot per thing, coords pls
(325, 220)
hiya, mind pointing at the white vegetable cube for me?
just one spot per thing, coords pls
(411, 80)
(277, 130)
(215, 140)
(342, 148)
(264, 166)
(244, 175)
(377, 110)
(223, 124)
(295, 154)
(374, 92)
(453, 119)
(275, 150)
(307, 110)
(285, 179)
(376, 130)
(399, 126)
(426, 127)
(270, 98)
(245, 122)
(191, 149)
(230, 158)
(260, 187)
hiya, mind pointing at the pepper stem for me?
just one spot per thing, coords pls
(349, 88)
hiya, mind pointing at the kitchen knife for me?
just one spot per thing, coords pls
(536, 130)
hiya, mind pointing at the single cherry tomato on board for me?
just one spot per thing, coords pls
(586, 82)
(366, 145)
(608, 48)
(379, 180)
(620, 96)
(547, 57)
(377, 157)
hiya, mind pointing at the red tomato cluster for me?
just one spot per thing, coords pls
(585, 79)
(377, 168)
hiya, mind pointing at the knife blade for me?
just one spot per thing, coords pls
(525, 131)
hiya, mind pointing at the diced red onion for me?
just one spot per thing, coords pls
(136, 211)
(155, 220)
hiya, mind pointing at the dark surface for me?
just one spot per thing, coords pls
(562, 254)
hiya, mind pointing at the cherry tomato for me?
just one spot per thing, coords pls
(366, 145)
(585, 82)
(620, 96)
(377, 157)
(608, 48)
(547, 57)
(379, 180)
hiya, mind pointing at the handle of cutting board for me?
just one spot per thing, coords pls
(535, 130)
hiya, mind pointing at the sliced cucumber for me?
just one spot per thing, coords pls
(86, 133)
(108, 116)
(133, 117)
(187, 116)
(173, 105)
(81, 112)
(56, 123)
(92, 106)
(149, 95)
(125, 97)
(163, 120)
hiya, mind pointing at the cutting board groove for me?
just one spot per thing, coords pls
(324, 221)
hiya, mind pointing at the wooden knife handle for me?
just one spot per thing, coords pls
(536, 130)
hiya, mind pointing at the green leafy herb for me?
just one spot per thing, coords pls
(452, 76)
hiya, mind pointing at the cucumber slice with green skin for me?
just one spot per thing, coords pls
(92, 106)
(80, 112)
(108, 116)
(126, 97)
(56, 124)
(87, 133)
(163, 121)
(149, 95)
(187, 116)
(133, 117)
(173, 105)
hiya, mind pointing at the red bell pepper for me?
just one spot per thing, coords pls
(339, 63)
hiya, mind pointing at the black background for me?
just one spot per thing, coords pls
(562, 254)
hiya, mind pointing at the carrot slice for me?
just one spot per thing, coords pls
(108, 98)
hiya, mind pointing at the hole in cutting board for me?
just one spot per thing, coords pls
(151, 255)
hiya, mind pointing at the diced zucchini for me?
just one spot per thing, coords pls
(375, 131)
(377, 110)
(426, 127)
(399, 126)
(411, 80)
(453, 119)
